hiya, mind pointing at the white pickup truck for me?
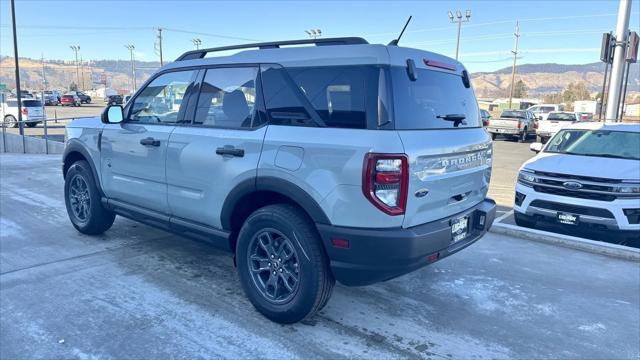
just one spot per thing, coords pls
(555, 121)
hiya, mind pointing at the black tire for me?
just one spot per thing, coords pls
(97, 219)
(524, 220)
(315, 281)
(493, 136)
(10, 121)
(31, 124)
(523, 136)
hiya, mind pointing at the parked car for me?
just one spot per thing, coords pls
(84, 98)
(587, 175)
(541, 111)
(555, 121)
(518, 124)
(304, 164)
(113, 100)
(51, 98)
(32, 112)
(70, 100)
(486, 116)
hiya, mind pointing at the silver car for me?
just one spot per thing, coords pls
(342, 160)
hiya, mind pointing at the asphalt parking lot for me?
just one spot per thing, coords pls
(137, 292)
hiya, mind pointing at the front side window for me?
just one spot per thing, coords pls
(161, 101)
(599, 143)
(228, 98)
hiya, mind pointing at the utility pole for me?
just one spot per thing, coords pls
(131, 48)
(159, 45)
(617, 68)
(513, 67)
(15, 54)
(82, 72)
(197, 43)
(75, 49)
(467, 18)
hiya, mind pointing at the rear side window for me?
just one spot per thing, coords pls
(228, 98)
(338, 94)
(436, 100)
(284, 102)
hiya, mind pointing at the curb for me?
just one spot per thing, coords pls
(592, 246)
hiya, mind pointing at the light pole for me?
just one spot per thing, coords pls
(314, 33)
(131, 48)
(196, 42)
(75, 49)
(459, 19)
(15, 55)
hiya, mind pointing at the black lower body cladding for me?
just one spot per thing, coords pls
(375, 255)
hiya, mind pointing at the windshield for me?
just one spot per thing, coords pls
(599, 143)
(513, 115)
(436, 100)
(562, 116)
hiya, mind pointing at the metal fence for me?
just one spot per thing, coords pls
(47, 129)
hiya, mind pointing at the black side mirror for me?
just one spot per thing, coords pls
(113, 114)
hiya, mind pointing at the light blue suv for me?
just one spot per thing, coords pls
(341, 160)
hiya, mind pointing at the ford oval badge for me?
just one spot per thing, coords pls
(421, 193)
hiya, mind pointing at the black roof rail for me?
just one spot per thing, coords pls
(201, 53)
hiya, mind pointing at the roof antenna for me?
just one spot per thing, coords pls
(395, 42)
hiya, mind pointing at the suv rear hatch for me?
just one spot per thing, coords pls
(33, 109)
(439, 124)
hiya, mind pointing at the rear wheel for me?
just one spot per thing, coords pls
(83, 202)
(32, 124)
(524, 220)
(281, 264)
(493, 136)
(10, 121)
(523, 136)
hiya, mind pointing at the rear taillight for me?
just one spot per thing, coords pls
(519, 124)
(385, 181)
(535, 124)
(25, 111)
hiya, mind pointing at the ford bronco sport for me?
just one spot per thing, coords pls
(341, 160)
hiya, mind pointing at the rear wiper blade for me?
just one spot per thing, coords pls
(456, 118)
(452, 117)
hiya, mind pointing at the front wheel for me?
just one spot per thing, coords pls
(10, 121)
(83, 202)
(281, 264)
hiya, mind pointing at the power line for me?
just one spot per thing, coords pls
(208, 34)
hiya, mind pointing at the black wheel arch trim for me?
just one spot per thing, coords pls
(273, 184)
(74, 145)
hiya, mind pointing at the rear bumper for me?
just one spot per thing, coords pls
(376, 255)
(503, 131)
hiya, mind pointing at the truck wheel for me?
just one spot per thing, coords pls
(524, 220)
(10, 121)
(493, 136)
(83, 202)
(523, 136)
(32, 124)
(281, 264)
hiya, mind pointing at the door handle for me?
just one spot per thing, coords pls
(230, 150)
(150, 142)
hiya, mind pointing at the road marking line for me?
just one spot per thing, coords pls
(504, 216)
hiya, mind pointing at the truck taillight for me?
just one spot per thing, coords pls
(519, 124)
(536, 124)
(25, 111)
(385, 181)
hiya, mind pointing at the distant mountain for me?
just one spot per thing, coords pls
(547, 78)
(540, 79)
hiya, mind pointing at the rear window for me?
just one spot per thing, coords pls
(562, 117)
(31, 103)
(436, 100)
(67, 96)
(513, 115)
